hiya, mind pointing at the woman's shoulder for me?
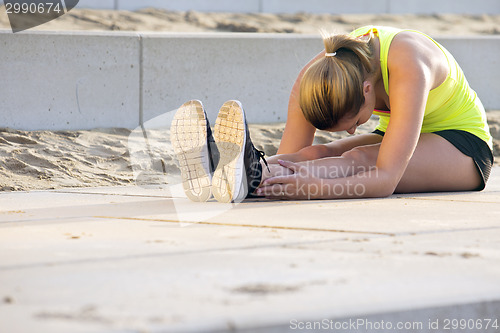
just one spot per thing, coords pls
(413, 50)
(415, 45)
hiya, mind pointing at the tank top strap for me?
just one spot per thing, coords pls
(385, 36)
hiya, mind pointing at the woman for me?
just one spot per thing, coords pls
(432, 135)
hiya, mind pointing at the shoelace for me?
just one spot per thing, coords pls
(261, 155)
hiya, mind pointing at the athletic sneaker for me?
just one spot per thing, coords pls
(239, 171)
(195, 149)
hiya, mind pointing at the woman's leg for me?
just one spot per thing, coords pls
(436, 165)
(316, 152)
(439, 166)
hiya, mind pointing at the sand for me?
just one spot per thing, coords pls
(168, 21)
(40, 160)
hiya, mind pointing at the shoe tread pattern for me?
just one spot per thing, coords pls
(229, 134)
(189, 140)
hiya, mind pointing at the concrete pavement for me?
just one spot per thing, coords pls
(144, 259)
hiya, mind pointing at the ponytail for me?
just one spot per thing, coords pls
(332, 87)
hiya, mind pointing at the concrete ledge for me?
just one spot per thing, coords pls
(69, 81)
(479, 60)
(259, 70)
(58, 81)
(311, 6)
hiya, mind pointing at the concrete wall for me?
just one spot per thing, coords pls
(310, 6)
(87, 80)
(257, 70)
(480, 61)
(68, 81)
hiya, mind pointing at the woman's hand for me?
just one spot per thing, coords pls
(275, 170)
(298, 184)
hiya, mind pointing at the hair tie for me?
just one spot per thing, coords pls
(331, 54)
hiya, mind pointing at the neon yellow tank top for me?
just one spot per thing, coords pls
(451, 105)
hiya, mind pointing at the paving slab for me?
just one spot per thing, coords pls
(143, 259)
(396, 215)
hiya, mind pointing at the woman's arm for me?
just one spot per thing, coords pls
(411, 77)
(299, 133)
(335, 148)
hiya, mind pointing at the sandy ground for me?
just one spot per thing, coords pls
(168, 21)
(106, 157)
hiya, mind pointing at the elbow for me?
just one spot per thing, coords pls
(379, 191)
(385, 191)
(385, 186)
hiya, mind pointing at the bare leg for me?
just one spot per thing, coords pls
(436, 165)
(339, 166)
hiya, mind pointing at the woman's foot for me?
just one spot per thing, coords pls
(239, 171)
(192, 141)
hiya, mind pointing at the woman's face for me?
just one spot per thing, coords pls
(350, 124)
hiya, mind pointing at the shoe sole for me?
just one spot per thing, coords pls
(188, 134)
(229, 179)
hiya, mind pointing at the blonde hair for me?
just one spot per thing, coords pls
(332, 87)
